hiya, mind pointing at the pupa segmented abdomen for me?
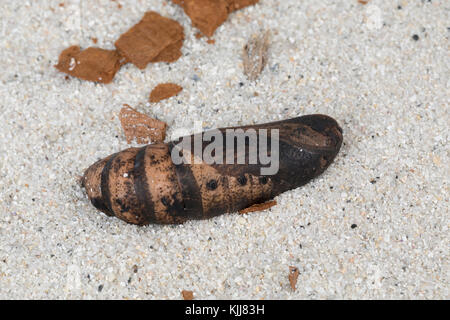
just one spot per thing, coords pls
(144, 185)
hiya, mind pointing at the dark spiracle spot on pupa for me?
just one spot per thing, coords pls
(263, 180)
(165, 201)
(212, 184)
(242, 180)
(323, 161)
(123, 206)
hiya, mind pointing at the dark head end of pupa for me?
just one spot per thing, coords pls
(321, 136)
(326, 126)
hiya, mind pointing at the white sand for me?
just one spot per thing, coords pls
(356, 63)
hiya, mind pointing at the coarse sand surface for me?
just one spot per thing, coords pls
(374, 225)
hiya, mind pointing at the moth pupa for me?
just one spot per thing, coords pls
(170, 183)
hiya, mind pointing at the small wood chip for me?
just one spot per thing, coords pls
(141, 127)
(363, 1)
(255, 55)
(146, 40)
(293, 276)
(92, 64)
(258, 207)
(164, 91)
(187, 295)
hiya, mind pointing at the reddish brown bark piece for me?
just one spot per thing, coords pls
(208, 15)
(187, 295)
(146, 40)
(170, 54)
(92, 64)
(164, 91)
(239, 4)
(258, 207)
(141, 127)
(293, 276)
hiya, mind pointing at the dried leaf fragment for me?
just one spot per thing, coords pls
(143, 42)
(187, 295)
(293, 276)
(255, 55)
(258, 207)
(164, 91)
(92, 64)
(363, 1)
(141, 127)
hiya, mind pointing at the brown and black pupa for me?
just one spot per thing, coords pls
(146, 185)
